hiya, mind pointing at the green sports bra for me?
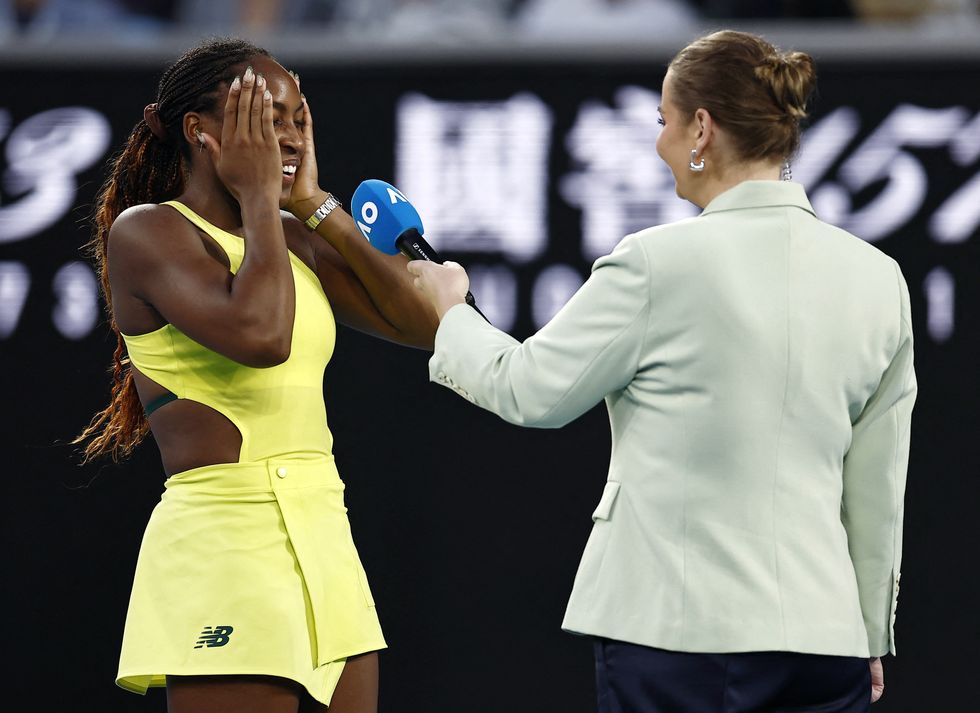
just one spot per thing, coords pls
(278, 410)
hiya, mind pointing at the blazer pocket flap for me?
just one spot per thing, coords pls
(609, 494)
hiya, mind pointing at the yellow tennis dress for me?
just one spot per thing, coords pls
(249, 567)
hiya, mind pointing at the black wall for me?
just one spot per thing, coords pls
(470, 529)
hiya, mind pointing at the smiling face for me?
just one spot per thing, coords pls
(288, 118)
(677, 137)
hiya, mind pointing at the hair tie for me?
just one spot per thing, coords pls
(151, 115)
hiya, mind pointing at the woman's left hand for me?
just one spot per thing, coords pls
(877, 679)
(444, 285)
(306, 194)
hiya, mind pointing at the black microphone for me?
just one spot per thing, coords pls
(413, 245)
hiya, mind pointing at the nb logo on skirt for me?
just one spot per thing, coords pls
(213, 636)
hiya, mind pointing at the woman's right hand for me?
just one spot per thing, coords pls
(445, 285)
(247, 159)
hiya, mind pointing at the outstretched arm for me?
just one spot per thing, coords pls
(591, 348)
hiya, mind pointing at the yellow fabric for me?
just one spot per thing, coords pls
(278, 410)
(249, 567)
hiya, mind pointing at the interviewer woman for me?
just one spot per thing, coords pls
(757, 367)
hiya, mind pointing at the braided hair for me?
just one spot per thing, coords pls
(150, 169)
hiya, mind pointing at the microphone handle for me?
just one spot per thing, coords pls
(413, 245)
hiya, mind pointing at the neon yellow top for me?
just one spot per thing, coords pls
(278, 410)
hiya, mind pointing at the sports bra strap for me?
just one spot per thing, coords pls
(161, 400)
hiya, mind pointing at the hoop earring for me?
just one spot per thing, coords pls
(696, 167)
(786, 174)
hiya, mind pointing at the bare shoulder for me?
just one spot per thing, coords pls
(150, 229)
(147, 216)
(142, 243)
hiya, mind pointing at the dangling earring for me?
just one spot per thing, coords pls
(696, 167)
(786, 174)
(200, 139)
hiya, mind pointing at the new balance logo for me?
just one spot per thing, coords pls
(213, 636)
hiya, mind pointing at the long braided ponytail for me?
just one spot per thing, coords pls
(150, 169)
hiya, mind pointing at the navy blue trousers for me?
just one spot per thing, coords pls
(641, 679)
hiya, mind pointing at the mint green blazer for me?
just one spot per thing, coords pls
(757, 368)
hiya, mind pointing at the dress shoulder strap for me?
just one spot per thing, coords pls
(231, 243)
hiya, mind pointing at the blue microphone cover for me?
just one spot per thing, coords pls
(382, 214)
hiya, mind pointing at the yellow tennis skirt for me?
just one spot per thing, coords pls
(249, 568)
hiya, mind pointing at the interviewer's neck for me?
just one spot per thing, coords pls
(717, 179)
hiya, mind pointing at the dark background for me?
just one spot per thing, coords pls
(470, 529)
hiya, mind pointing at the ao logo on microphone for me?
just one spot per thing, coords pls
(369, 211)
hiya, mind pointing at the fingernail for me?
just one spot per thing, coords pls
(236, 83)
(260, 81)
(267, 95)
(249, 74)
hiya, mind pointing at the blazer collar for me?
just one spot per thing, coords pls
(760, 194)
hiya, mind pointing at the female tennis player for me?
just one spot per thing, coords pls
(225, 267)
